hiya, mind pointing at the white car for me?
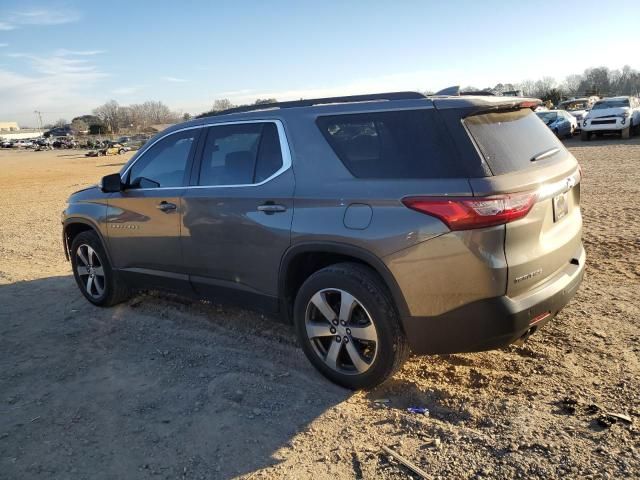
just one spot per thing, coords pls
(610, 115)
(23, 144)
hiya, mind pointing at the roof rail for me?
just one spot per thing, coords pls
(323, 101)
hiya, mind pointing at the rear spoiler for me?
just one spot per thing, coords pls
(451, 97)
(485, 103)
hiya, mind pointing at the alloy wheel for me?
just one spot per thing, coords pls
(341, 331)
(90, 271)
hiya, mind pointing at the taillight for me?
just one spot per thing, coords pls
(464, 213)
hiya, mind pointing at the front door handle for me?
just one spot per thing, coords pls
(270, 208)
(166, 207)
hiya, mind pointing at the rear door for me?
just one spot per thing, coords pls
(524, 155)
(238, 211)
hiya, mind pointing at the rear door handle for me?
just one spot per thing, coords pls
(270, 208)
(166, 207)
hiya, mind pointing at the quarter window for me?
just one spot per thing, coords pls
(396, 144)
(164, 164)
(240, 154)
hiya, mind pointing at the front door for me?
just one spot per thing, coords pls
(143, 221)
(237, 215)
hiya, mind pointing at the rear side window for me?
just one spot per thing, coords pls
(511, 141)
(240, 154)
(398, 144)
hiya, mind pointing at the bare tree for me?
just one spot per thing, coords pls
(61, 123)
(571, 84)
(110, 115)
(221, 104)
(528, 87)
(79, 125)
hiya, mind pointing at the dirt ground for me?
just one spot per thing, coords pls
(165, 388)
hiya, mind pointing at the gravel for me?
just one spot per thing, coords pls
(165, 388)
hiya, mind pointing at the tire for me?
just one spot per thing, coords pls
(585, 136)
(625, 133)
(362, 360)
(121, 151)
(103, 289)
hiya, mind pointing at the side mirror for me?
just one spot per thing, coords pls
(111, 183)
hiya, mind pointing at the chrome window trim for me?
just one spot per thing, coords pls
(284, 148)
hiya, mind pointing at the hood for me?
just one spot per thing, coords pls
(88, 193)
(609, 112)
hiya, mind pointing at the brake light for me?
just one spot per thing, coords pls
(530, 104)
(464, 213)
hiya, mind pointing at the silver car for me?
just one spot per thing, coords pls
(377, 224)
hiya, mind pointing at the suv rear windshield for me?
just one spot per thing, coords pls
(509, 141)
(395, 144)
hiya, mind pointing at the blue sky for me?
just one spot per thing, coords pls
(65, 58)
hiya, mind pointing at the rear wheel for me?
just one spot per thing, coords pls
(93, 273)
(348, 327)
(585, 136)
(625, 132)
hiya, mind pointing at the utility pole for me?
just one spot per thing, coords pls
(39, 119)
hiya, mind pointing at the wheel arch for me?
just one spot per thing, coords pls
(302, 260)
(76, 225)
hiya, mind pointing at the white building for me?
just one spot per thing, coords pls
(12, 131)
(9, 127)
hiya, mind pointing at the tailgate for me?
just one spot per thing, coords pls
(545, 242)
(525, 156)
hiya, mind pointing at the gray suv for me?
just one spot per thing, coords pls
(376, 224)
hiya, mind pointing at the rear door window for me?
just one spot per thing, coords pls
(513, 141)
(396, 144)
(240, 154)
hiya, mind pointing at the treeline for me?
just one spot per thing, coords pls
(137, 117)
(600, 81)
(115, 118)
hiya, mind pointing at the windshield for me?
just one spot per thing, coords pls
(611, 103)
(547, 117)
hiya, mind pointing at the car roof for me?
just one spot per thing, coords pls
(352, 104)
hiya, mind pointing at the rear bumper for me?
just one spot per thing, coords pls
(494, 322)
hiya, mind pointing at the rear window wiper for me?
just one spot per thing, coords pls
(545, 154)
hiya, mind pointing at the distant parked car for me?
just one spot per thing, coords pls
(562, 123)
(23, 144)
(43, 144)
(611, 115)
(6, 144)
(578, 107)
(111, 149)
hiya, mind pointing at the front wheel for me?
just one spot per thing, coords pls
(93, 273)
(348, 326)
